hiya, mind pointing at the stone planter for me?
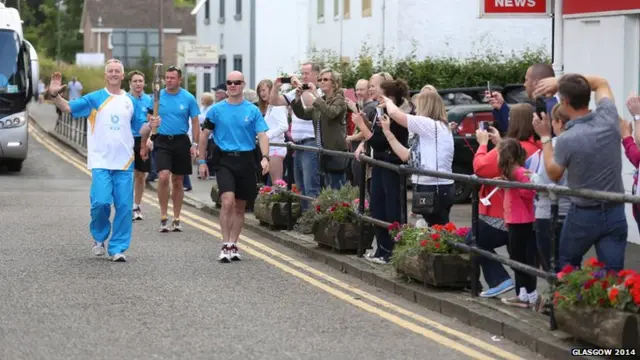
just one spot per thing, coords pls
(441, 270)
(605, 328)
(341, 236)
(215, 197)
(274, 215)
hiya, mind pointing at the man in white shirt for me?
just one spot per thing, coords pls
(112, 115)
(305, 163)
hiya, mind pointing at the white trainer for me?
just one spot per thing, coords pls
(98, 249)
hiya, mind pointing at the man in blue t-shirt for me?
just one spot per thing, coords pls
(141, 166)
(235, 124)
(173, 147)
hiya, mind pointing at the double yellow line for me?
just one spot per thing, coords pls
(319, 280)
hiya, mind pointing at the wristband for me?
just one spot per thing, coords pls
(202, 162)
(636, 117)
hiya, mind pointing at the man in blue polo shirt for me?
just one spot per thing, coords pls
(235, 123)
(173, 147)
(141, 166)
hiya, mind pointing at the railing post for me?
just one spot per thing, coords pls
(553, 252)
(475, 211)
(363, 191)
(403, 195)
(290, 180)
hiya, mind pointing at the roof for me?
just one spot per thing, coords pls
(138, 14)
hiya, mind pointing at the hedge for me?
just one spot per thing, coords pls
(442, 72)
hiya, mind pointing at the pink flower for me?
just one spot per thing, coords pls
(281, 183)
(462, 232)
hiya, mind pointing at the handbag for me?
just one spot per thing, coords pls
(426, 202)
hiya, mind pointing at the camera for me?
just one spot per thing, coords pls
(286, 80)
(541, 106)
(305, 86)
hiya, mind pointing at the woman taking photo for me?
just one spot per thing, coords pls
(385, 184)
(276, 118)
(432, 150)
(329, 116)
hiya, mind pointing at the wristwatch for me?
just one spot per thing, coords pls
(195, 145)
(266, 157)
(545, 139)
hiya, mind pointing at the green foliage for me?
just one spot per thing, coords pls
(411, 241)
(276, 193)
(445, 72)
(336, 205)
(184, 3)
(92, 78)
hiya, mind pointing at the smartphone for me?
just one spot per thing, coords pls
(357, 107)
(286, 80)
(541, 106)
(305, 86)
(483, 125)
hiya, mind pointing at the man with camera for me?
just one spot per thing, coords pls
(306, 164)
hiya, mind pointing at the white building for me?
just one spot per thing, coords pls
(603, 38)
(265, 37)
(261, 38)
(437, 27)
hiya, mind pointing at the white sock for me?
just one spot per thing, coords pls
(533, 297)
(136, 206)
(524, 297)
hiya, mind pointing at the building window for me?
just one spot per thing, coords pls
(320, 11)
(222, 69)
(221, 16)
(238, 15)
(206, 79)
(135, 46)
(346, 9)
(237, 63)
(207, 11)
(336, 9)
(366, 8)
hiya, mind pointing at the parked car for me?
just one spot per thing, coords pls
(467, 108)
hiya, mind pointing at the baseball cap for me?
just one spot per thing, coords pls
(220, 87)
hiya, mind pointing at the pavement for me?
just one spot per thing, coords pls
(160, 272)
(172, 300)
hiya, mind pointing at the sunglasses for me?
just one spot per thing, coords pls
(234, 82)
(175, 68)
(324, 79)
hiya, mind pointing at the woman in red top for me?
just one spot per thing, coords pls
(491, 227)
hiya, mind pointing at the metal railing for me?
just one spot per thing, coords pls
(75, 131)
(553, 190)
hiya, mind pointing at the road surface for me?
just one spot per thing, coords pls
(172, 300)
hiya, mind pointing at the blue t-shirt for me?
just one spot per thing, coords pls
(144, 104)
(175, 111)
(235, 126)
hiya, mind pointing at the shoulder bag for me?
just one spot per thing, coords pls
(426, 202)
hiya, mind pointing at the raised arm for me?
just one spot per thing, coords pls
(395, 113)
(55, 88)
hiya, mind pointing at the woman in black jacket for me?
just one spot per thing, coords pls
(385, 184)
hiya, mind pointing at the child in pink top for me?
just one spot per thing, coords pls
(519, 217)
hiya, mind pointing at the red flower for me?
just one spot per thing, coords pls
(613, 294)
(437, 245)
(601, 302)
(394, 226)
(593, 262)
(604, 284)
(332, 209)
(318, 208)
(635, 294)
(589, 284)
(424, 242)
(267, 189)
(626, 272)
(344, 204)
(632, 281)
(435, 237)
(567, 269)
(450, 227)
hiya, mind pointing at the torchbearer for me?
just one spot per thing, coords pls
(111, 116)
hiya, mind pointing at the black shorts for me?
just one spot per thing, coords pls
(139, 164)
(173, 153)
(236, 172)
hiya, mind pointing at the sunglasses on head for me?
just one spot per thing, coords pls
(175, 68)
(234, 82)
